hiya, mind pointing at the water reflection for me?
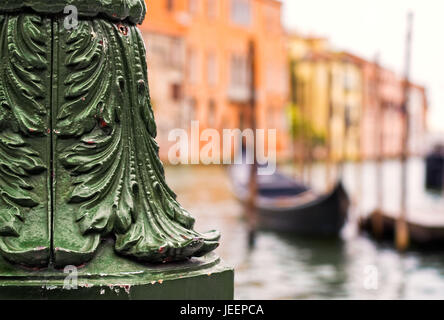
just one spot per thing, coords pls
(288, 267)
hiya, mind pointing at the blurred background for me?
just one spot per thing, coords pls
(354, 91)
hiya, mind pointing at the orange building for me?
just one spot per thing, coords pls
(199, 67)
(382, 110)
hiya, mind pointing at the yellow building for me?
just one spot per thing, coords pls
(310, 67)
(347, 103)
(327, 93)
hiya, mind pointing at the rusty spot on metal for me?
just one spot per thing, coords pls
(123, 29)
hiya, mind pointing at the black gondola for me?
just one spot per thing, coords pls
(284, 205)
(435, 169)
(423, 231)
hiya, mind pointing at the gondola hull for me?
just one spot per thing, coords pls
(284, 204)
(421, 235)
(324, 216)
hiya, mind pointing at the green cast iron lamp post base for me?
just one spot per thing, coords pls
(109, 276)
(80, 163)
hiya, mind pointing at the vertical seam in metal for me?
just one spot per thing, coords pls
(51, 135)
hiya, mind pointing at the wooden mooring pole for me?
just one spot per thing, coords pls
(251, 205)
(402, 232)
(329, 136)
(377, 222)
(294, 111)
(346, 118)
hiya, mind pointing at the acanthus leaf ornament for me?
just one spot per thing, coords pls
(24, 101)
(118, 179)
(22, 113)
(78, 156)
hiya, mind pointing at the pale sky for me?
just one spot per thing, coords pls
(366, 27)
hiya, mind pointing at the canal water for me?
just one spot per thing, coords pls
(287, 267)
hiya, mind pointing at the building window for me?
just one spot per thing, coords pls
(190, 113)
(239, 71)
(301, 96)
(349, 79)
(212, 70)
(193, 6)
(211, 114)
(239, 88)
(193, 66)
(176, 92)
(212, 8)
(170, 5)
(176, 52)
(241, 12)
(242, 122)
(348, 119)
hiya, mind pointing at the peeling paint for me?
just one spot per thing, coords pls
(50, 287)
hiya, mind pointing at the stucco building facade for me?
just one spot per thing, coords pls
(199, 66)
